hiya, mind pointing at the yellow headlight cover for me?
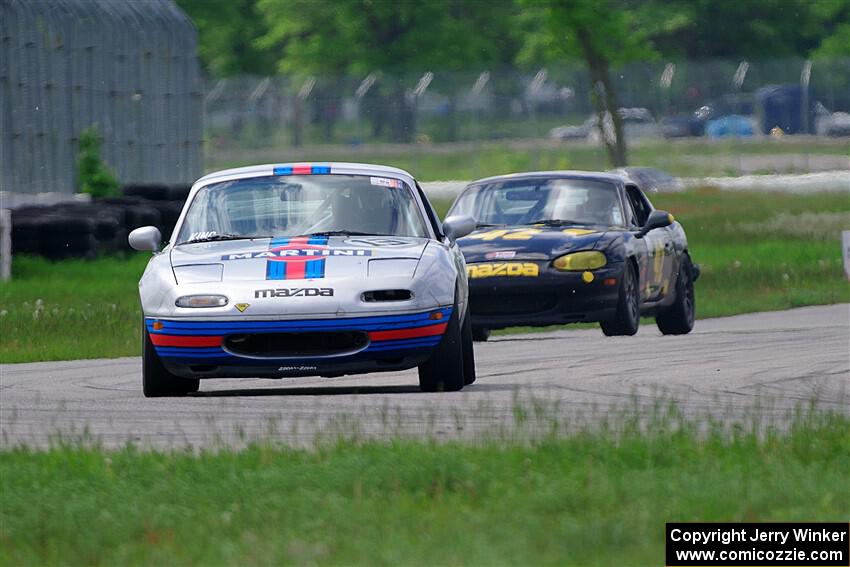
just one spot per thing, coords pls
(580, 261)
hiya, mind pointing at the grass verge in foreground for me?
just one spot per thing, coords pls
(592, 498)
(758, 252)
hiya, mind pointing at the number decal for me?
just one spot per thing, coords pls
(490, 235)
(514, 234)
(526, 234)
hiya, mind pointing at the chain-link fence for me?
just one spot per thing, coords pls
(130, 68)
(485, 105)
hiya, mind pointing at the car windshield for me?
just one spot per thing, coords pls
(533, 200)
(282, 206)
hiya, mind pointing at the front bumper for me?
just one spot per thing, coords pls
(552, 298)
(204, 348)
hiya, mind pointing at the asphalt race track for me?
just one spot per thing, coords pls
(768, 363)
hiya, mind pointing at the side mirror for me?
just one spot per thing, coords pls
(458, 226)
(657, 219)
(145, 238)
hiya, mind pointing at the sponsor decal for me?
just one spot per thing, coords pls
(298, 258)
(504, 269)
(294, 292)
(300, 254)
(242, 307)
(297, 368)
(201, 235)
(500, 255)
(385, 182)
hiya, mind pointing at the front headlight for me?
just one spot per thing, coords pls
(580, 261)
(201, 301)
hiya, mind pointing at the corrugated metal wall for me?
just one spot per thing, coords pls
(129, 66)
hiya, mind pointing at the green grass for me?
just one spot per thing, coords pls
(71, 309)
(472, 160)
(757, 251)
(752, 263)
(593, 497)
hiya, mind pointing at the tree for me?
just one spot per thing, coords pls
(227, 37)
(751, 29)
(401, 39)
(602, 33)
(836, 44)
(834, 17)
(93, 176)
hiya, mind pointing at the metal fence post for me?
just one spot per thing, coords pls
(5, 244)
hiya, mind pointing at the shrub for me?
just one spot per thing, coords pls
(93, 176)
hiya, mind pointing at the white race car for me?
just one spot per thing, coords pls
(305, 270)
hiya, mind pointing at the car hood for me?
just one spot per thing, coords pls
(296, 258)
(531, 242)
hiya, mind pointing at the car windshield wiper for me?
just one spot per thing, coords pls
(217, 237)
(555, 222)
(344, 233)
(487, 224)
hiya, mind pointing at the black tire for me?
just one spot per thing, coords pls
(157, 381)
(152, 191)
(169, 212)
(443, 372)
(136, 211)
(678, 319)
(480, 334)
(179, 192)
(26, 234)
(142, 215)
(67, 236)
(468, 351)
(627, 318)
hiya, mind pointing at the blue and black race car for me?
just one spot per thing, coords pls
(559, 247)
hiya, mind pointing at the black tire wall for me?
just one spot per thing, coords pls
(84, 230)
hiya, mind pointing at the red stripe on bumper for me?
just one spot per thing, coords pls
(184, 341)
(428, 331)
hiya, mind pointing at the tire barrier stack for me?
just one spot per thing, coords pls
(85, 230)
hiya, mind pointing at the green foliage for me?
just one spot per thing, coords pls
(837, 44)
(361, 36)
(755, 29)
(227, 37)
(591, 497)
(619, 35)
(93, 176)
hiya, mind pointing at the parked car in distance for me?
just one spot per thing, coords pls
(638, 123)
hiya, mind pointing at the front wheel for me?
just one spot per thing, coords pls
(444, 371)
(480, 334)
(678, 319)
(627, 317)
(467, 335)
(157, 381)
